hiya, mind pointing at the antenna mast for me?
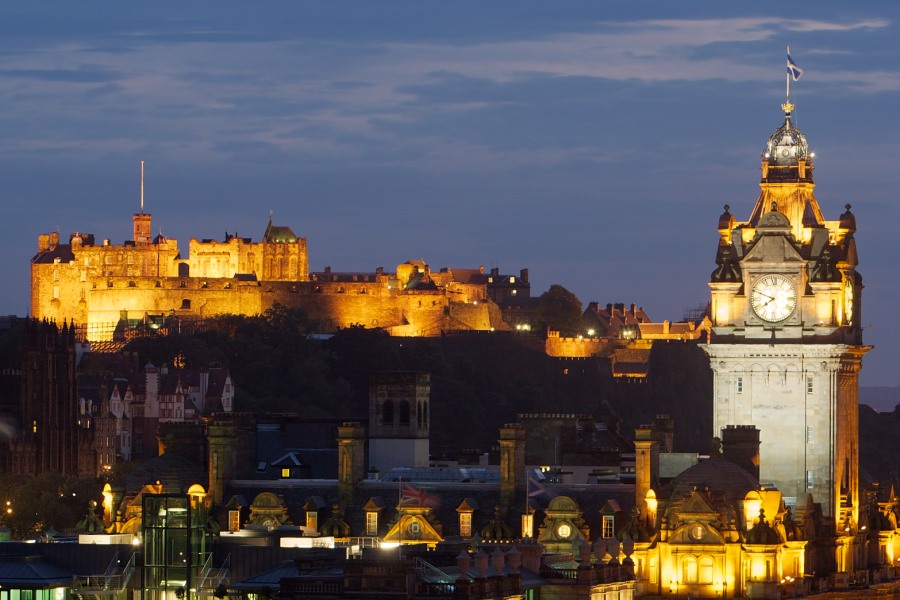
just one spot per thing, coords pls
(142, 187)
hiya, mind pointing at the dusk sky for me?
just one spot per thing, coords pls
(593, 143)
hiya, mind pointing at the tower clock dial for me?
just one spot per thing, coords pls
(564, 530)
(773, 298)
(848, 300)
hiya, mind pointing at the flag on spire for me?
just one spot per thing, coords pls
(793, 70)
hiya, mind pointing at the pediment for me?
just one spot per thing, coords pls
(413, 529)
(773, 248)
(696, 505)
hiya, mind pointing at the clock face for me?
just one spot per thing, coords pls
(848, 301)
(773, 298)
(564, 530)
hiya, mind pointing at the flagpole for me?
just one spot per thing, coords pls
(787, 80)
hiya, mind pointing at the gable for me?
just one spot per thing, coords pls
(772, 248)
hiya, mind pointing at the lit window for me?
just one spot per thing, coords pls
(372, 523)
(465, 524)
(809, 479)
(690, 570)
(512, 279)
(609, 526)
(285, 473)
(706, 569)
(740, 385)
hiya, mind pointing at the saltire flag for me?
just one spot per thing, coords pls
(536, 488)
(412, 496)
(793, 70)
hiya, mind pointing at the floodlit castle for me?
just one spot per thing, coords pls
(146, 282)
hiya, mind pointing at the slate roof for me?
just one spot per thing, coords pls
(723, 477)
(450, 495)
(176, 473)
(32, 572)
(62, 251)
(42, 566)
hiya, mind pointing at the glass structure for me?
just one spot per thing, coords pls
(174, 545)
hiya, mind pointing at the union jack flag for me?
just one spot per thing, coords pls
(412, 496)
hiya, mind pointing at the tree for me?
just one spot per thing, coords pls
(560, 310)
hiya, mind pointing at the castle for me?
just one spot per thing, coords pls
(145, 280)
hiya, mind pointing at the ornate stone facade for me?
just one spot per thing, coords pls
(786, 340)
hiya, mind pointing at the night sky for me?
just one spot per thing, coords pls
(591, 142)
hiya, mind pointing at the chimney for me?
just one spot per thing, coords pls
(495, 271)
(646, 464)
(740, 445)
(351, 439)
(54, 240)
(523, 275)
(512, 461)
(43, 242)
(664, 429)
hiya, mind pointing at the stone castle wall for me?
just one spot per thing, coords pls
(97, 285)
(574, 347)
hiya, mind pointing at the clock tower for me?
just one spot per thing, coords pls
(786, 344)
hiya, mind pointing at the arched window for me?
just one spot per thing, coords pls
(689, 569)
(652, 567)
(706, 569)
(387, 413)
(404, 413)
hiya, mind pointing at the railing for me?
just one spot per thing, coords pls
(426, 570)
(210, 578)
(359, 543)
(110, 583)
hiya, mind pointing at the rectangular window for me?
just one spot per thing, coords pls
(609, 526)
(809, 435)
(312, 520)
(285, 473)
(465, 524)
(372, 523)
(809, 385)
(234, 520)
(739, 385)
(809, 479)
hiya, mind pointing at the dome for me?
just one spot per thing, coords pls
(787, 145)
(720, 475)
(176, 473)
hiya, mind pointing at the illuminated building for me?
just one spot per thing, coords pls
(110, 289)
(786, 344)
